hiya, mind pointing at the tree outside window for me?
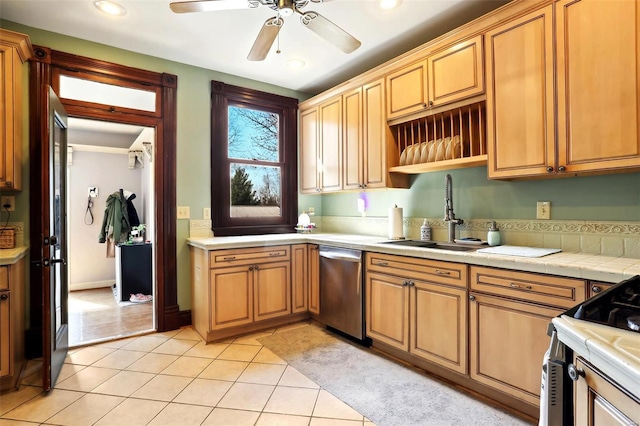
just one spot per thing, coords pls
(254, 158)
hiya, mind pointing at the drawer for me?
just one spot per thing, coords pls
(4, 278)
(448, 273)
(247, 256)
(549, 290)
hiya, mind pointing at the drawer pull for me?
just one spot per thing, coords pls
(439, 272)
(520, 286)
(382, 264)
(229, 258)
(274, 253)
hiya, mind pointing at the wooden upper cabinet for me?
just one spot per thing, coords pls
(597, 102)
(520, 99)
(456, 73)
(365, 137)
(407, 90)
(15, 50)
(445, 76)
(309, 150)
(598, 84)
(330, 143)
(352, 143)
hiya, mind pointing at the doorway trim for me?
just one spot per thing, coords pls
(42, 68)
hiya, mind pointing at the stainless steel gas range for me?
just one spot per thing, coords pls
(603, 333)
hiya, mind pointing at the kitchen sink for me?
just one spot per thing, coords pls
(431, 245)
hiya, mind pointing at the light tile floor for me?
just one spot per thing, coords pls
(173, 378)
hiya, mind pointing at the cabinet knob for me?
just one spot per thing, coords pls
(472, 297)
(562, 169)
(412, 284)
(549, 169)
(405, 283)
(574, 372)
(251, 268)
(256, 267)
(596, 289)
(8, 184)
(4, 296)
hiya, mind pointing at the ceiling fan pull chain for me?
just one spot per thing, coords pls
(278, 49)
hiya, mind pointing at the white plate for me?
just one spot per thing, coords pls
(471, 243)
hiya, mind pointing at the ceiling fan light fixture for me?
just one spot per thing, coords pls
(285, 7)
(389, 4)
(110, 8)
(295, 64)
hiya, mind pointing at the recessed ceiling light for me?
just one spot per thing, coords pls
(110, 7)
(295, 63)
(389, 4)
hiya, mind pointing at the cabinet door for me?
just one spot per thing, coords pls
(5, 333)
(352, 144)
(520, 96)
(387, 310)
(507, 343)
(299, 278)
(231, 296)
(598, 402)
(598, 84)
(456, 73)
(314, 279)
(407, 90)
(374, 124)
(309, 149)
(331, 145)
(439, 324)
(272, 290)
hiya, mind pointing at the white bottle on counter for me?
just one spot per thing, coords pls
(493, 236)
(425, 231)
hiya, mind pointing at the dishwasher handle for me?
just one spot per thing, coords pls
(341, 255)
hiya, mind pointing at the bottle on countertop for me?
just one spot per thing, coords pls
(425, 231)
(493, 236)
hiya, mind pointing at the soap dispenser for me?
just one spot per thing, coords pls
(425, 231)
(493, 236)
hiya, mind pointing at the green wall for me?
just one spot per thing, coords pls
(608, 198)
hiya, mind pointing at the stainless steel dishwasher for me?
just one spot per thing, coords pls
(341, 290)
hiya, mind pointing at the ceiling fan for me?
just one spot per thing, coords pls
(270, 29)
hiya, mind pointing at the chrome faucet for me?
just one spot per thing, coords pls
(449, 215)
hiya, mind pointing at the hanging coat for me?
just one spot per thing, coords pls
(115, 224)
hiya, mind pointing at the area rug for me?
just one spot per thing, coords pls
(385, 392)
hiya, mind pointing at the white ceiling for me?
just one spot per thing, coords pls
(221, 40)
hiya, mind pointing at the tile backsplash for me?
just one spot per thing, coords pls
(619, 239)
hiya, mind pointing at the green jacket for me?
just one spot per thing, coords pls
(115, 223)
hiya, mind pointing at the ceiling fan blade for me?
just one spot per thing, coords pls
(264, 41)
(207, 5)
(330, 31)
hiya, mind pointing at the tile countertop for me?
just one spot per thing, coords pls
(565, 264)
(11, 256)
(613, 351)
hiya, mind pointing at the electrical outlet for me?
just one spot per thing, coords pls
(311, 211)
(8, 203)
(206, 213)
(183, 212)
(543, 210)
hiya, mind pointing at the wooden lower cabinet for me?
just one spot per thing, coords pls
(507, 342)
(509, 313)
(314, 279)
(236, 291)
(299, 277)
(414, 314)
(11, 324)
(599, 402)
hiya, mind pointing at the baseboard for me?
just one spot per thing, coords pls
(184, 318)
(91, 285)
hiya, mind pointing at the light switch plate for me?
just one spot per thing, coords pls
(183, 212)
(543, 210)
(206, 213)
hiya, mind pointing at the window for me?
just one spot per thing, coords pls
(253, 161)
